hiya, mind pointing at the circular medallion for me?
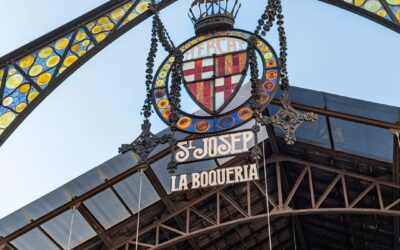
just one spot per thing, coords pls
(202, 126)
(214, 69)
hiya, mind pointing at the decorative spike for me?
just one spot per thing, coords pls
(240, 5)
(226, 6)
(234, 6)
(213, 14)
(192, 19)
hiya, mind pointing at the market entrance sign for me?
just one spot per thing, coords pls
(223, 176)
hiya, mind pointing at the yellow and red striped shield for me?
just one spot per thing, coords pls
(213, 81)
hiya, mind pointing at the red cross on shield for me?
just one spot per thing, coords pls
(213, 81)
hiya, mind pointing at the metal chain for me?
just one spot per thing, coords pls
(274, 11)
(283, 47)
(147, 110)
(175, 101)
(162, 32)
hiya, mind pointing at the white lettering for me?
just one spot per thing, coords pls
(216, 146)
(253, 175)
(216, 177)
(173, 182)
(195, 180)
(183, 183)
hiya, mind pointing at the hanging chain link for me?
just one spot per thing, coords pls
(283, 47)
(274, 11)
(147, 110)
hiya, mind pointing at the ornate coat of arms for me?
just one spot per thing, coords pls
(215, 70)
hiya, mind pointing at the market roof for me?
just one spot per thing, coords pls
(350, 134)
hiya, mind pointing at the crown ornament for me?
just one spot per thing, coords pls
(213, 15)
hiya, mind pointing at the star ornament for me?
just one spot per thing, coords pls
(289, 120)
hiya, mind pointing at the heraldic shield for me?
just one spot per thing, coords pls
(213, 81)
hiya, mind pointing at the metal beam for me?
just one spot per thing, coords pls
(343, 116)
(283, 211)
(77, 200)
(396, 194)
(95, 224)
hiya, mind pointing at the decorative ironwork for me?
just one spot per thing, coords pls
(226, 119)
(147, 141)
(289, 120)
(213, 16)
(114, 19)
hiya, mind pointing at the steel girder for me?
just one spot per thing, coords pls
(279, 201)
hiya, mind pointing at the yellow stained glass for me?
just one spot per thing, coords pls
(132, 16)
(268, 55)
(27, 61)
(24, 88)
(36, 70)
(21, 107)
(127, 5)
(160, 83)
(32, 96)
(358, 2)
(12, 72)
(264, 48)
(97, 29)
(86, 42)
(52, 61)
(372, 5)
(62, 69)
(62, 43)
(90, 25)
(82, 52)
(101, 37)
(103, 20)
(14, 81)
(109, 26)
(44, 79)
(6, 119)
(45, 52)
(75, 47)
(1, 72)
(382, 13)
(70, 60)
(80, 36)
(142, 7)
(8, 101)
(117, 14)
(398, 14)
(171, 59)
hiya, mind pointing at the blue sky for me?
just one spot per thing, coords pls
(84, 121)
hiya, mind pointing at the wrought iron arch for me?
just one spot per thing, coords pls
(29, 74)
